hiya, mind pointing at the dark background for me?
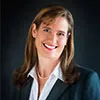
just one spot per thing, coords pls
(16, 20)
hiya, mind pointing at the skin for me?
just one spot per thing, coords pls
(50, 41)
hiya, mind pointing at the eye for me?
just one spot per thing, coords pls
(46, 30)
(61, 34)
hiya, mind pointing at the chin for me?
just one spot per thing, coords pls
(53, 57)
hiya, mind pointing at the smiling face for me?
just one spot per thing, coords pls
(51, 39)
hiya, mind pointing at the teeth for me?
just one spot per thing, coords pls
(51, 47)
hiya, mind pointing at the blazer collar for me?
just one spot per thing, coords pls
(57, 90)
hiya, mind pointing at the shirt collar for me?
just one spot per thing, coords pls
(56, 72)
(32, 72)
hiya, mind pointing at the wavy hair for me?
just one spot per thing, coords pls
(48, 15)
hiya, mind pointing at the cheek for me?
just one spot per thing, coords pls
(41, 36)
(63, 42)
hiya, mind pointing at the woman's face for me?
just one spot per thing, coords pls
(50, 40)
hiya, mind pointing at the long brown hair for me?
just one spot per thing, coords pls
(48, 15)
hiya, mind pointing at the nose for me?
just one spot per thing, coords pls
(53, 38)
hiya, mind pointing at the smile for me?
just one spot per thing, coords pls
(49, 47)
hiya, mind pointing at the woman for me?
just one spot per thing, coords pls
(48, 72)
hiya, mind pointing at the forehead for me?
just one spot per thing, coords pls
(59, 23)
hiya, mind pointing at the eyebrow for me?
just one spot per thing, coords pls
(51, 29)
(47, 27)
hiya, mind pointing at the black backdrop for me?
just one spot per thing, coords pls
(16, 19)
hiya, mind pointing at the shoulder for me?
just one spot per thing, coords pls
(84, 71)
(90, 83)
(86, 88)
(87, 73)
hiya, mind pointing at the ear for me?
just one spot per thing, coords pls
(68, 35)
(34, 32)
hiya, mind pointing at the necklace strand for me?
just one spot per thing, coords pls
(43, 78)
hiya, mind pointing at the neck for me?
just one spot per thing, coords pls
(46, 66)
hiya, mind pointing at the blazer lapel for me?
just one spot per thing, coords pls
(57, 90)
(25, 92)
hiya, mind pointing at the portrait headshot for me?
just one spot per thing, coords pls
(50, 51)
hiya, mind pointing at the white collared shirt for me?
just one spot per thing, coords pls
(56, 74)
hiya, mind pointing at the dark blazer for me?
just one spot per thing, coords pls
(86, 88)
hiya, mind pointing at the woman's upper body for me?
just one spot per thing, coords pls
(86, 88)
(50, 44)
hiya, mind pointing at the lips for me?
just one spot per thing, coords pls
(49, 46)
